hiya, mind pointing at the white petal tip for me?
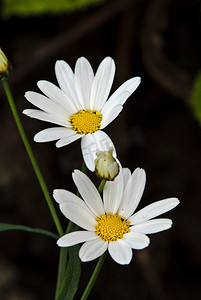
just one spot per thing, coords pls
(24, 112)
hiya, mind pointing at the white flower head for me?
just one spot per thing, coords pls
(111, 224)
(80, 106)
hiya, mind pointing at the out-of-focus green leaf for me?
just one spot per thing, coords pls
(72, 276)
(196, 97)
(26, 8)
(5, 227)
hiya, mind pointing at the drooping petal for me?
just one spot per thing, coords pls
(75, 209)
(132, 193)
(84, 77)
(136, 240)
(112, 194)
(122, 93)
(102, 83)
(66, 80)
(47, 105)
(44, 116)
(68, 140)
(76, 237)
(120, 251)
(57, 95)
(153, 210)
(52, 134)
(90, 250)
(91, 143)
(89, 192)
(110, 116)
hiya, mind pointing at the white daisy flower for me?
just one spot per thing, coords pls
(80, 106)
(110, 224)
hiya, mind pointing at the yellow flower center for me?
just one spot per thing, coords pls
(86, 121)
(111, 227)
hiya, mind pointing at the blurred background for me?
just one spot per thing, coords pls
(158, 130)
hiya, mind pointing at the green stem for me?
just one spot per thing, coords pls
(93, 277)
(31, 157)
(84, 168)
(101, 186)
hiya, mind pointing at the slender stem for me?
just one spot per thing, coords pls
(84, 168)
(31, 157)
(93, 277)
(101, 186)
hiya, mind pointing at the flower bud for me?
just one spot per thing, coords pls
(106, 166)
(5, 66)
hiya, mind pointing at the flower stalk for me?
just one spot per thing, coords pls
(93, 277)
(32, 157)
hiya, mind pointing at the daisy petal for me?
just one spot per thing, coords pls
(132, 193)
(153, 210)
(109, 106)
(120, 251)
(52, 134)
(66, 80)
(126, 175)
(102, 83)
(91, 143)
(43, 116)
(75, 209)
(136, 240)
(122, 93)
(110, 116)
(89, 192)
(92, 249)
(112, 194)
(76, 237)
(57, 95)
(84, 77)
(47, 105)
(68, 140)
(152, 226)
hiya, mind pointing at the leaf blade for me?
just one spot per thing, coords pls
(6, 227)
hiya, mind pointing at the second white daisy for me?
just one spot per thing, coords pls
(80, 106)
(110, 224)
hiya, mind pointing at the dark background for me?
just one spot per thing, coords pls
(160, 42)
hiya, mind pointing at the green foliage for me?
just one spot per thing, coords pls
(5, 227)
(72, 275)
(196, 97)
(26, 8)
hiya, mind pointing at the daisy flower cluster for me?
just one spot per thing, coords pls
(82, 107)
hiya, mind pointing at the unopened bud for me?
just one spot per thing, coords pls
(106, 166)
(5, 66)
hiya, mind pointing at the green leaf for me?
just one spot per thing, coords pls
(196, 97)
(38, 7)
(72, 276)
(5, 227)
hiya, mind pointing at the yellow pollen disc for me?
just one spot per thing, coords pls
(86, 121)
(111, 227)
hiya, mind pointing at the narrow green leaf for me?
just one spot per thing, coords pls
(5, 227)
(39, 7)
(72, 275)
(196, 97)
